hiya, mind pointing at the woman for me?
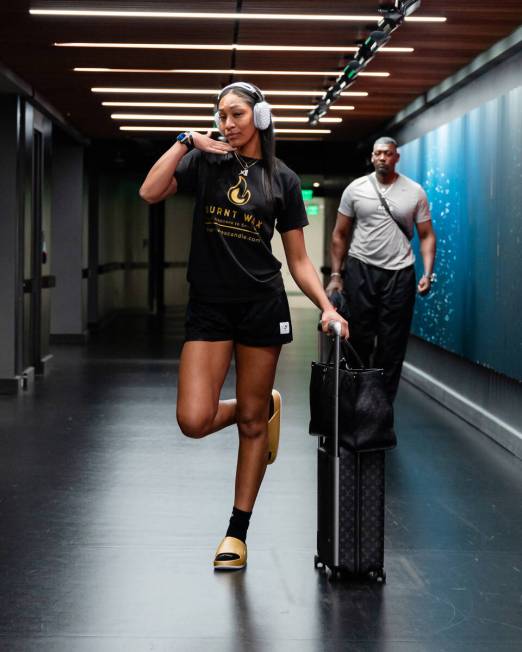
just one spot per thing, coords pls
(237, 304)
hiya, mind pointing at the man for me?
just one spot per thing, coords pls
(379, 282)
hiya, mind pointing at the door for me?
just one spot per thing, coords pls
(36, 233)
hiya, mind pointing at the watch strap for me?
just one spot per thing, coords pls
(185, 138)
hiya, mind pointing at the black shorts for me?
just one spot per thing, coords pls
(263, 322)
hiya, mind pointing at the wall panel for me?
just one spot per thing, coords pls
(471, 169)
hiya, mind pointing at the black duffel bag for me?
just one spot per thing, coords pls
(365, 411)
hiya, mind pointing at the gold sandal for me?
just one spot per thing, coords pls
(274, 426)
(231, 554)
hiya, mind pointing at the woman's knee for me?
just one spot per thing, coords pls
(194, 424)
(252, 426)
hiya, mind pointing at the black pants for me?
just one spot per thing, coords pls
(380, 308)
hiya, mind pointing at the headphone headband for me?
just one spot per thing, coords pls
(261, 109)
(250, 88)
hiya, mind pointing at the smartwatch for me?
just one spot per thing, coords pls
(185, 138)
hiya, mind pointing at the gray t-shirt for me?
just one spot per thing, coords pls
(376, 239)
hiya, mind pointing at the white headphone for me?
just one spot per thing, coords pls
(262, 109)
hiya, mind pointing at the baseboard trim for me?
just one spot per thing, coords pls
(501, 432)
(21, 383)
(10, 385)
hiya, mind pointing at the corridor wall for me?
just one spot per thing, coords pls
(463, 142)
(122, 242)
(471, 169)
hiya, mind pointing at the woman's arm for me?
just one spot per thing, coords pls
(306, 277)
(160, 182)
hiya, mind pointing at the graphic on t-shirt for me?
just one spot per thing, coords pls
(239, 193)
(232, 224)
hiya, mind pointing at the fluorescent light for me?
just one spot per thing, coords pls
(316, 184)
(307, 107)
(173, 105)
(200, 105)
(149, 46)
(277, 131)
(200, 14)
(211, 91)
(163, 128)
(146, 116)
(224, 71)
(221, 15)
(160, 91)
(426, 19)
(233, 46)
(203, 118)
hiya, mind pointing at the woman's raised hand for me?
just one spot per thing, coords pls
(207, 144)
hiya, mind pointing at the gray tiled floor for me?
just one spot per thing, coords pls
(109, 519)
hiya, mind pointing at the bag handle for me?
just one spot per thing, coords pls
(347, 349)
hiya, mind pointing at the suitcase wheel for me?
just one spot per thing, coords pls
(335, 575)
(378, 576)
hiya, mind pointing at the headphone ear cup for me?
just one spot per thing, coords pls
(217, 121)
(262, 115)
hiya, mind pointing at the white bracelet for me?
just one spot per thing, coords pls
(335, 274)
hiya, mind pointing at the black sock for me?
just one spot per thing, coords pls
(239, 522)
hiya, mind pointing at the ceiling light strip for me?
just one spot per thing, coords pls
(224, 71)
(210, 105)
(214, 92)
(205, 118)
(204, 129)
(165, 105)
(238, 47)
(224, 15)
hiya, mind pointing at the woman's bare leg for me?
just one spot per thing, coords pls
(255, 374)
(202, 371)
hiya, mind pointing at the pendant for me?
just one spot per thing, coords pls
(244, 172)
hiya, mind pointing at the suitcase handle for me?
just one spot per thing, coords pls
(334, 328)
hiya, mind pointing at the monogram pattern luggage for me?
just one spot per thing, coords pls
(350, 508)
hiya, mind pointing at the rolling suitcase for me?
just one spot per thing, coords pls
(350, 502)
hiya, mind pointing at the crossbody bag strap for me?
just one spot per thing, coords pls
(386, 206)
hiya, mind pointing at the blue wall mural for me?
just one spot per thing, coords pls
(471, 170)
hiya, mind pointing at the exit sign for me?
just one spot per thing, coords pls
(307, 194)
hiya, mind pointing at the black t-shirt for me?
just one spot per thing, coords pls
(230, 255)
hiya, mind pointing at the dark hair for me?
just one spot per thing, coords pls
(266, 136)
